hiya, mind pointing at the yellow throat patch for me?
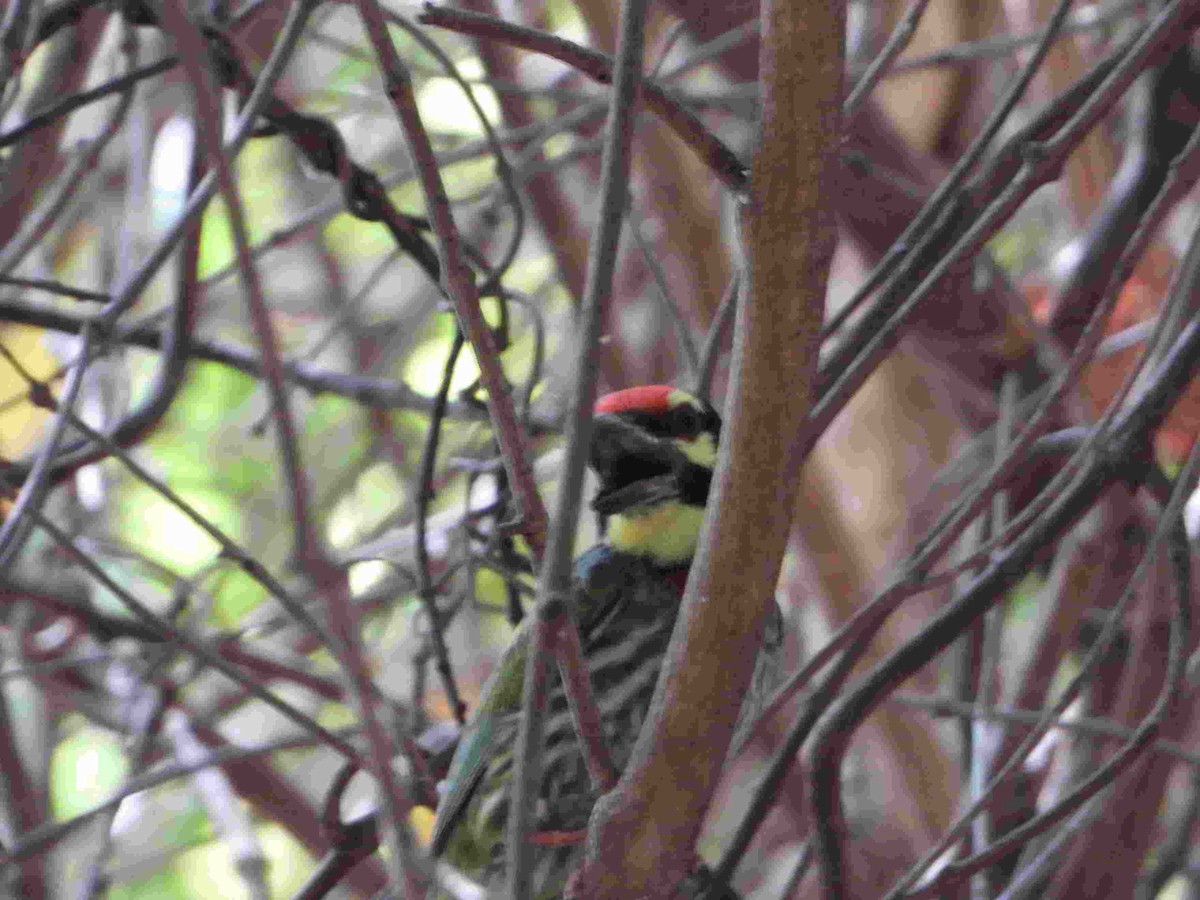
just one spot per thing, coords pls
(666, 533)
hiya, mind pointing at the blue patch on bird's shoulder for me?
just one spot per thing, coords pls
(593, 561)
(604, 568)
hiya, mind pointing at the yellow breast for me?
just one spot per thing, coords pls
(666, 533)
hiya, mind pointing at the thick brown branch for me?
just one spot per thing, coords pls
(674, 768)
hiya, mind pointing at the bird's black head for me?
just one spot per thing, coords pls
(654, 448)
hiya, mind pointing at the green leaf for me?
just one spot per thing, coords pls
(237, 594)
(86, 769)
(161, 885)
(163, 531)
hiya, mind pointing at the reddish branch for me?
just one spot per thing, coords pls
(724, 163)
(459, 282)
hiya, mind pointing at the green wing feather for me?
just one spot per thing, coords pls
(501, 697)
(598, 575)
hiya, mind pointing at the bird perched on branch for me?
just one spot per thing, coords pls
(654, 449)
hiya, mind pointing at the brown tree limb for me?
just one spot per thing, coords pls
(642, 840)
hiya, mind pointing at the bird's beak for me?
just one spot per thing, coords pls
(620, 450)
(630, 461)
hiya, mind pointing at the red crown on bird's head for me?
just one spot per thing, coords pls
(650, 398)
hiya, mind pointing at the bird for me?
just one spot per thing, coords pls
(653, 449)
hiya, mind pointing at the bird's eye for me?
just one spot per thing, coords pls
(686, 420)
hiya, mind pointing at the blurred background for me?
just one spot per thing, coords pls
(238, 442)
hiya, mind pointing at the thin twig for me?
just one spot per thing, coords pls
(460, 285)
(550, 614)
(723, 162)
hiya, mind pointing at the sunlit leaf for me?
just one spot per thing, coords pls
(86, 768)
